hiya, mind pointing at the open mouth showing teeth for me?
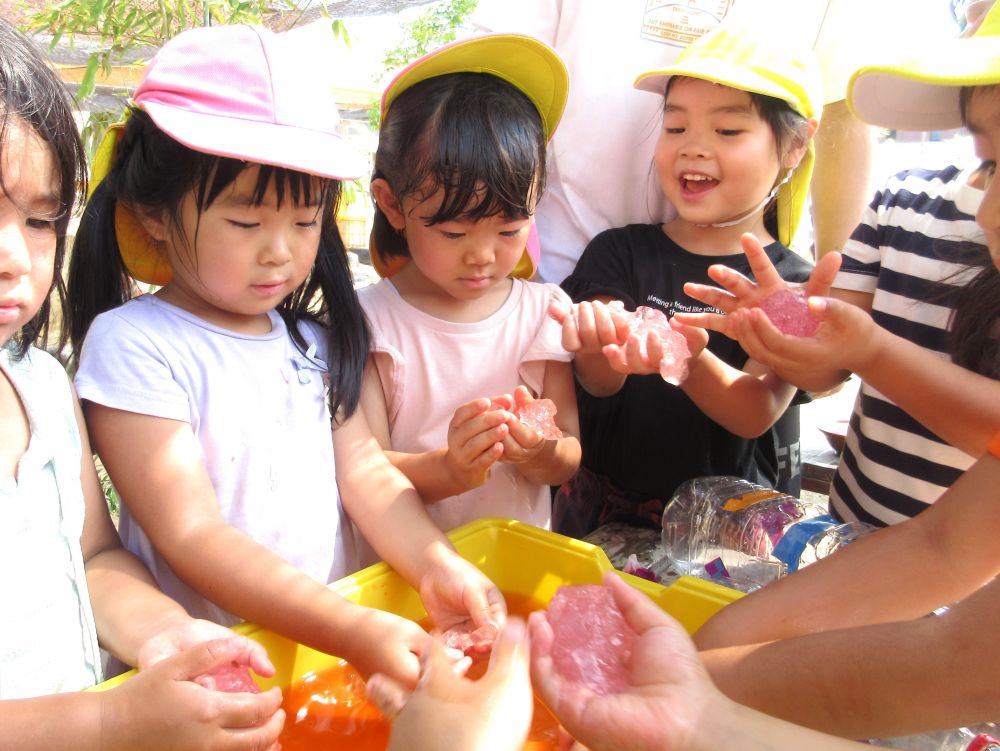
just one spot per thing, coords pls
(696, 183)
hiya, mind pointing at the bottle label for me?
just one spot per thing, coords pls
(983, 742)
(793, 542)
(740, 502)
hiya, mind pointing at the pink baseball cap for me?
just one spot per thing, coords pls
(248, 93)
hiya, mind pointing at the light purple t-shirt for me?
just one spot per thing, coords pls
(259, 408)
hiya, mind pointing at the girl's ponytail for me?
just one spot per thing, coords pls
(98, 280)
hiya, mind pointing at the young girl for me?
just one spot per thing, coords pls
(907, 672)
(918, 264)
(67, 585)
(459, 344)
(210, 401)
(737, 128)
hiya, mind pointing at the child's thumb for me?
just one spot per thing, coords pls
(206, 657)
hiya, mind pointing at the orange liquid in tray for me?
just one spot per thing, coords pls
(328, 710)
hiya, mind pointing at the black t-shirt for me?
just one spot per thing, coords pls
(650, 437)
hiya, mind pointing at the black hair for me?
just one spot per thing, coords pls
(974, 326)
(475, 136)
(789, 127)
(30, 92)
(152, 172)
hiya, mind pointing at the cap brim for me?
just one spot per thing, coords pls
(527, 63)
(922, 93)
(720, 71)
(300, 149)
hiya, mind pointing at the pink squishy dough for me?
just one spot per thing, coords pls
(468, 639)
(592, 642)
(540, 416)
(788, 310)
(232, 679)
(673, 365)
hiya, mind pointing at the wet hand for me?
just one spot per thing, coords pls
(164, 708)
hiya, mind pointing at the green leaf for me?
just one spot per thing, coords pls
(89, 77)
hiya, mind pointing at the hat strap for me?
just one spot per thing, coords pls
(755, 209)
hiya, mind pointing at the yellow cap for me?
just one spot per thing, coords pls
(735, 56)
(921, 91)
(526, 63)
(522, 61)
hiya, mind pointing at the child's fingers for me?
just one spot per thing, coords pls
(763, 270)
(708, 321)
(822, 277)
(713, 296)
(243, 712)
(559, 310)
(510, 659)
(610, 325)
(469, 410)
(522, 396)
(388, 694)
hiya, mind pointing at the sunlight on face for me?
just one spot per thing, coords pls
(983, 120)
(29, 207)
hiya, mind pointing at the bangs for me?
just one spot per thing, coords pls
(483, 147)
(299, 188)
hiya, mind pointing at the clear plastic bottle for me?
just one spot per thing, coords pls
(975, 738)
(743, 535)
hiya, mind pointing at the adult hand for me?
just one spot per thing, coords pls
(669, 697)
(448, 711)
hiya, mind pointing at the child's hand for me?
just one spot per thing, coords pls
(454, 591)
(475, 441)
(163, 708)
(588, 327)
(522, 443)
(848, 340)
(448, 711)
(386, 643)
(183, 634)
(739, 292)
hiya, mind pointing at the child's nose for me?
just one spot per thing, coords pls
(278, 249)
(988, 215)
(480, 255)
(15, 251)
(693, 148)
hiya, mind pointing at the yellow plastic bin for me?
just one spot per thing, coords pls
(521, 560)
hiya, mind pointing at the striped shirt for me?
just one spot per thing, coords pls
(911, 249)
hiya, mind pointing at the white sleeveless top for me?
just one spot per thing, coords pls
(48, 638)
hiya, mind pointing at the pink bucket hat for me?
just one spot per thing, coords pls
(243, 92)
(233, 91)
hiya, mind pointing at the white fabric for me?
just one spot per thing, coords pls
(436, 366)
(48, 638)
(258, 407)
(601, 171)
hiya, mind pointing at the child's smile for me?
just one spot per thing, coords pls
(716, 157)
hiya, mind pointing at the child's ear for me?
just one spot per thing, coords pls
(796, 151)
(154, 222)
(386, 200)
